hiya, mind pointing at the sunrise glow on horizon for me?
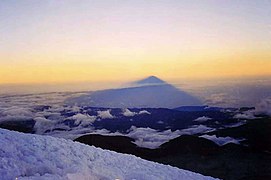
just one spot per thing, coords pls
(98, 40)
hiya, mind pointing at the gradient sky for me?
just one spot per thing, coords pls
(53, 41)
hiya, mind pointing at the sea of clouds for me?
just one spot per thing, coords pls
(45, 110)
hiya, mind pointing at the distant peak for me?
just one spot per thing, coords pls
(150, 80)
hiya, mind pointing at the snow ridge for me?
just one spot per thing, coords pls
(29, 156)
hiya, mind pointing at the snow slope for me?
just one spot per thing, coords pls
(29, 156)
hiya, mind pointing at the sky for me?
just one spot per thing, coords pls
(120, 40)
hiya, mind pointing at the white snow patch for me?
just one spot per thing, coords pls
(28, 156)
(105, 114)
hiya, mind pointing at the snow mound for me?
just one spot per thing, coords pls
(28, 156)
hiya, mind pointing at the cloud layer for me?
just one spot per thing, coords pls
(222, 140)
(202, 119)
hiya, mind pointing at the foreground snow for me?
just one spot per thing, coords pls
(29, 156)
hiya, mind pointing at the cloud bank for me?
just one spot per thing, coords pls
(129, 113)
(105, 114)
(202, 119)
(221, 140)
(264, 107)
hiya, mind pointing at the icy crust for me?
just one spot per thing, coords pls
(28, 156)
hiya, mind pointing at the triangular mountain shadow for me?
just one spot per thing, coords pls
(151, 80)
(151, 92)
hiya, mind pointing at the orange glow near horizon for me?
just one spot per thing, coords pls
(103, 41)
(76, 71)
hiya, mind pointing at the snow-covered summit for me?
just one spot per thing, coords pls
(28, 156)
